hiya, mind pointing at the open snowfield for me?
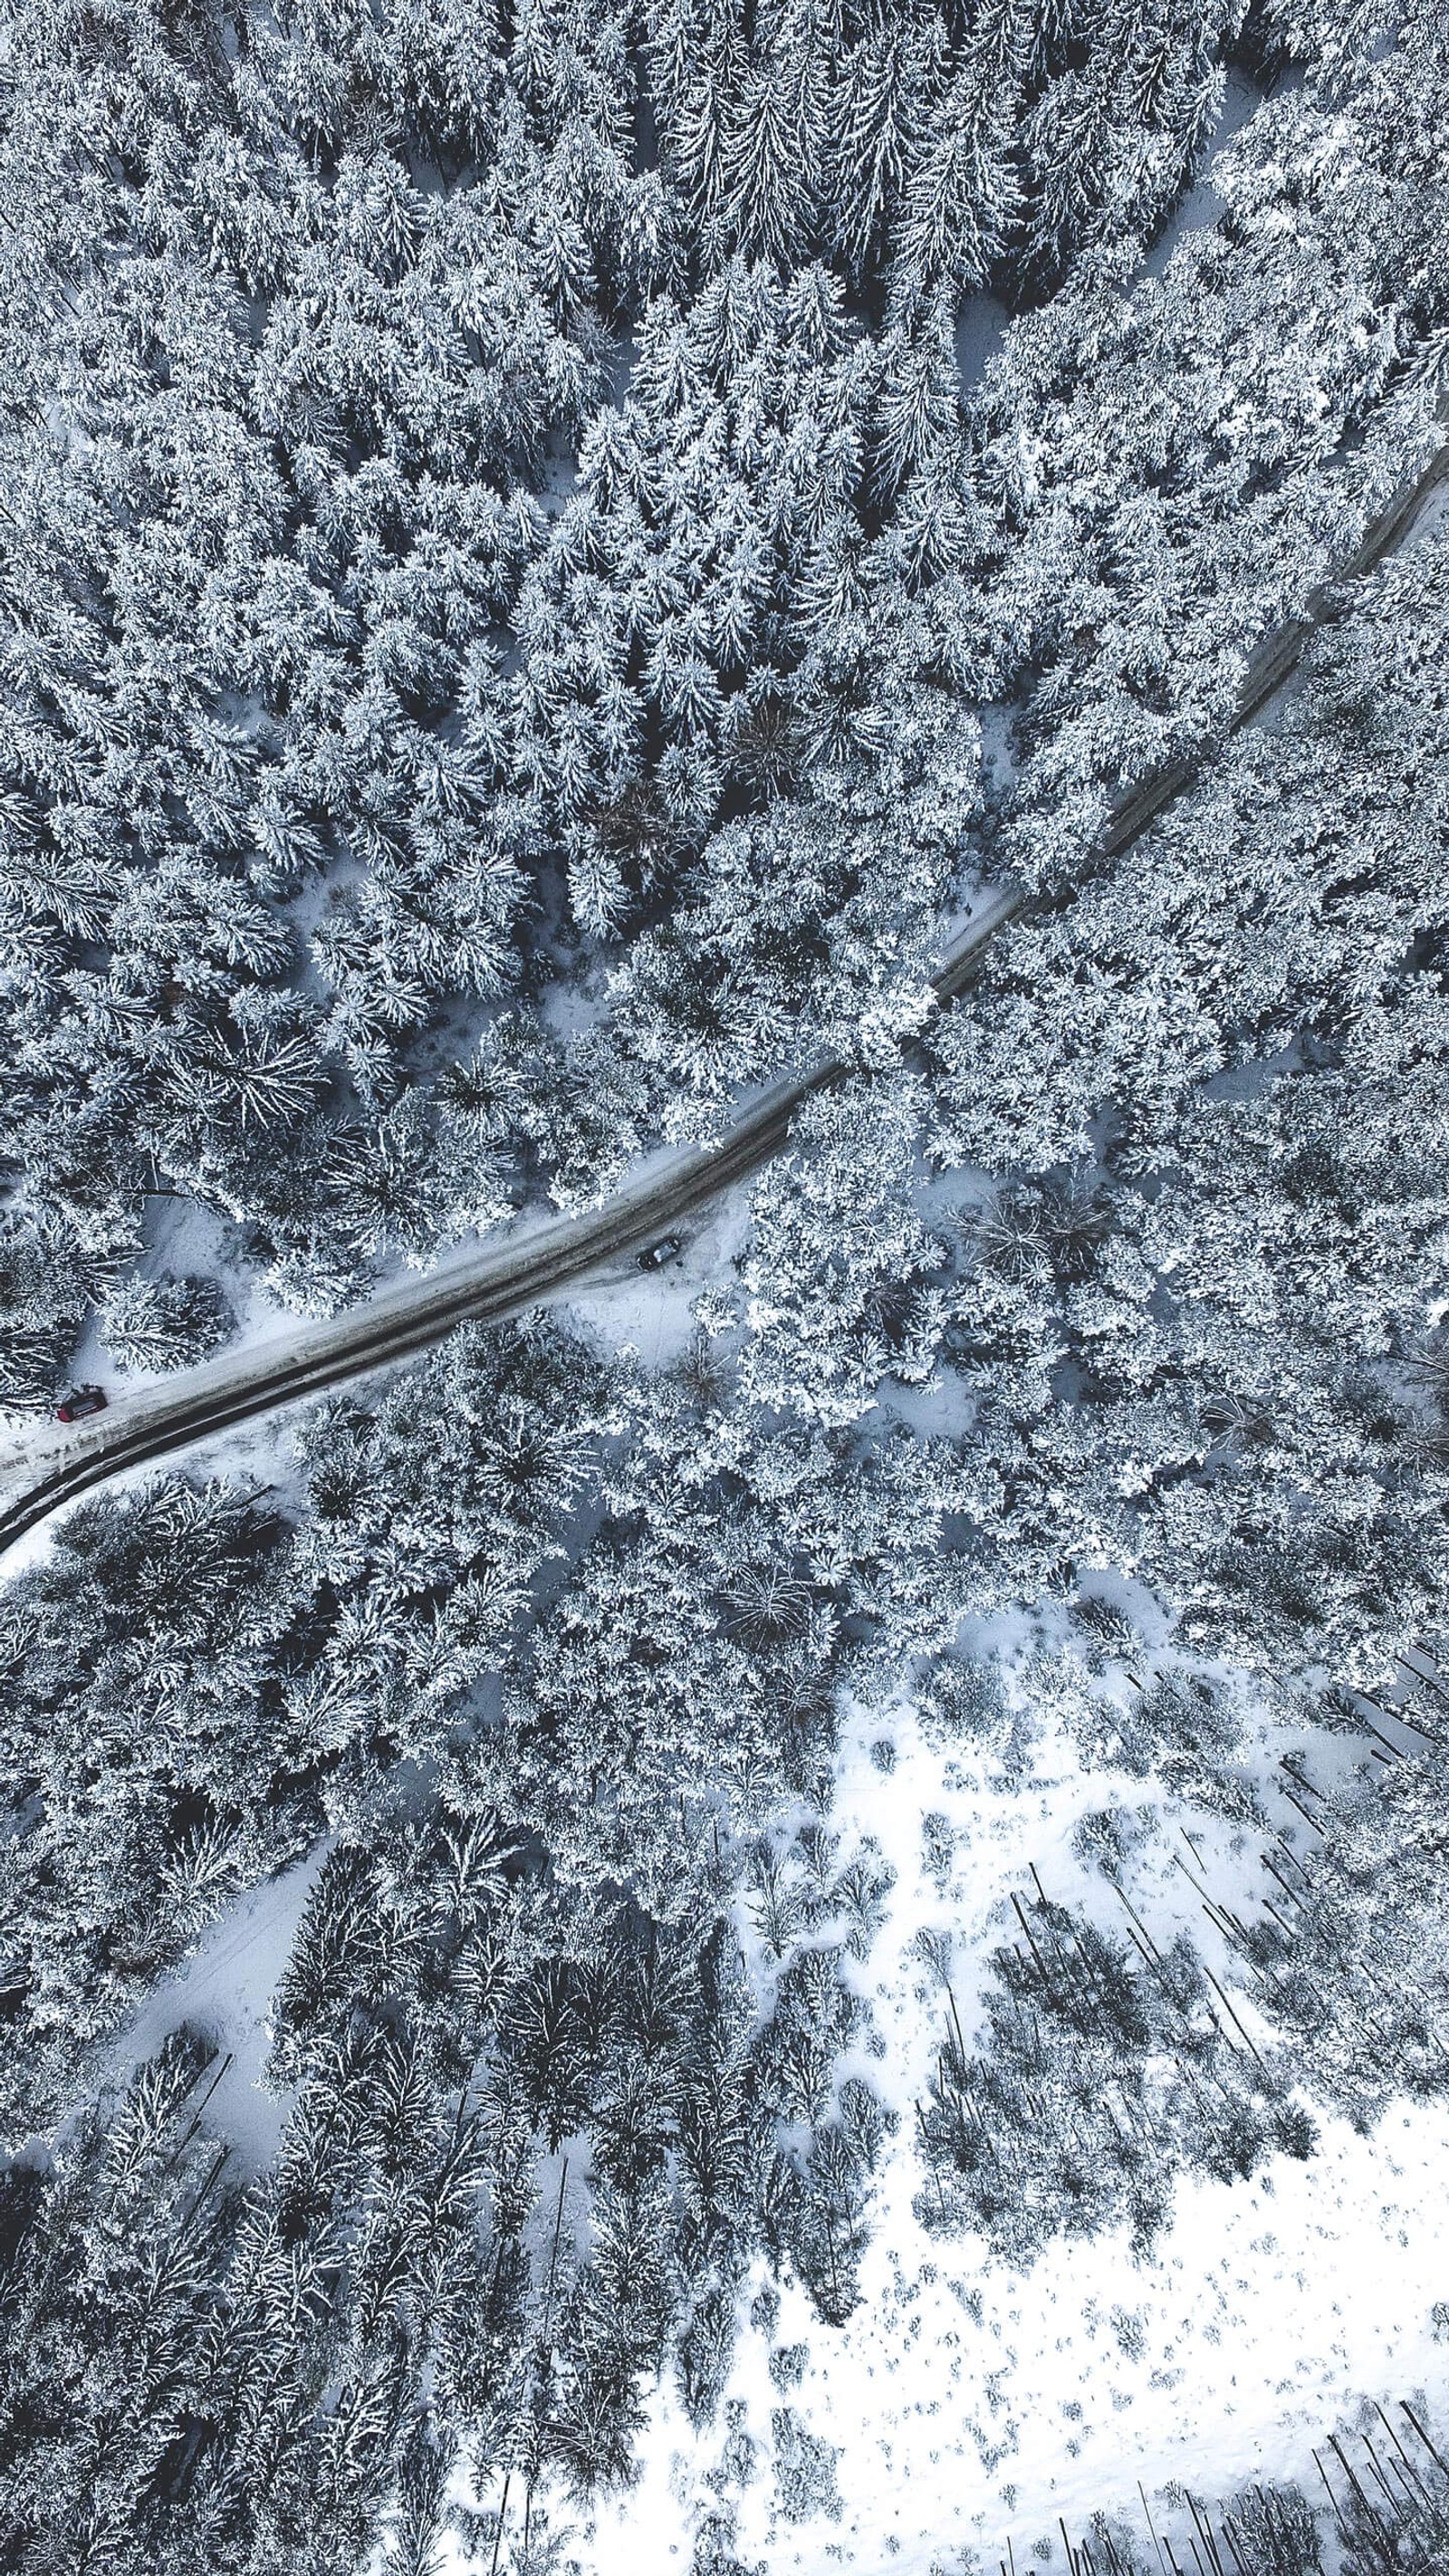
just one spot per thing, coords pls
(965, 2404)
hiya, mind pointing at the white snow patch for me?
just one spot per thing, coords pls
(969, 2404)
(1202, 205)
(651, 1312)
(226, 1992)
(981, 327)
(998, 748)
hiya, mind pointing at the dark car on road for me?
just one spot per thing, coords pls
(668, 1248)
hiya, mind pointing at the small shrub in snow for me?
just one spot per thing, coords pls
(804, 2469)
(739, 2460)
(1107, 1837)
(787, 2364)
(765, 2309)
(968, 1703)
(938, 1846)
(714, 2551)
(1108, 1632)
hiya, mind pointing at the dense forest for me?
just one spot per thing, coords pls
(516, 625)
(482, 503)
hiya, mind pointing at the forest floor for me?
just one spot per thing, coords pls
(225, 1993)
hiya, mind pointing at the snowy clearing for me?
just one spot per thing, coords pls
(966, 2404)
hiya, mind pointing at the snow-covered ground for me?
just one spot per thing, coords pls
(967, 2405)
(225, 1991)
(981, 326)
(1202, 205)
(651, 1312)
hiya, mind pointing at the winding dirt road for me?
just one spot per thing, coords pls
(539, 1261)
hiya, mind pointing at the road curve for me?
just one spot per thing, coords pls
(396, 1325)
(537, 1263)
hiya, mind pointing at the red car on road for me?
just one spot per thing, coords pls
(80, 1401)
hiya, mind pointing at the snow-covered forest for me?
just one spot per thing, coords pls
(694, 1932)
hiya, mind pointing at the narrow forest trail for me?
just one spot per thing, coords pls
(539, 1262)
